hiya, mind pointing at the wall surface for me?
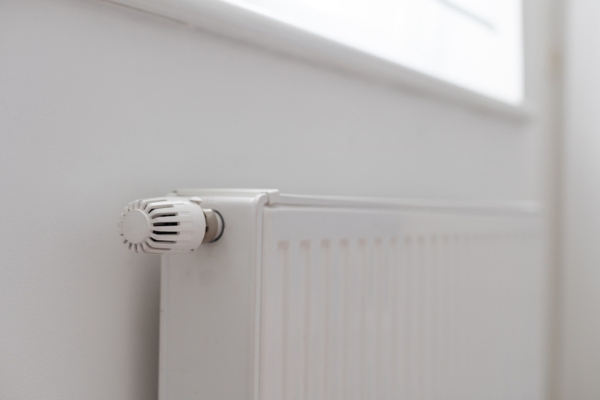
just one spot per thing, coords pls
(580, 365)
(101, 104)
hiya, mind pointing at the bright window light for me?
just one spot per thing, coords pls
(475, 44)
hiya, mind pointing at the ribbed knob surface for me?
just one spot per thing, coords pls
(163, 225)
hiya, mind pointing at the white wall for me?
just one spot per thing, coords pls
(581, 219)
(100, 104)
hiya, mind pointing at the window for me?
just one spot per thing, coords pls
(475, 44)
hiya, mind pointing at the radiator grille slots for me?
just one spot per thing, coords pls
(430, 314)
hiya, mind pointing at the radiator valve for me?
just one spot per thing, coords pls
(169, 225)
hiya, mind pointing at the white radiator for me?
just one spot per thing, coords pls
(319, 298)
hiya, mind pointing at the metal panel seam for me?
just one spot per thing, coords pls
(260, 201)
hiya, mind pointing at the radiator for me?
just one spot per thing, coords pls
(330, 298)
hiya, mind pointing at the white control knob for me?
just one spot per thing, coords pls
(169, 225)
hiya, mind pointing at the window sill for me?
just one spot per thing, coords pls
(254, 26)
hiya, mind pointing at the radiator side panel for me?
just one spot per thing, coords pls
(208, 310)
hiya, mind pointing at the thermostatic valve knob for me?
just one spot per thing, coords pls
(169, 225)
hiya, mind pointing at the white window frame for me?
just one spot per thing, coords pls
(241, 21)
